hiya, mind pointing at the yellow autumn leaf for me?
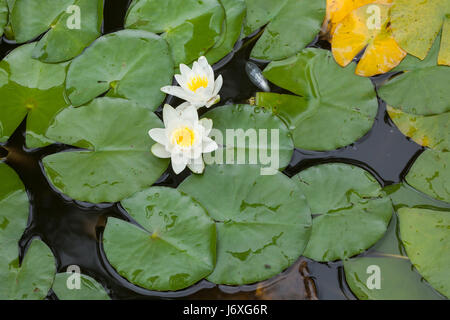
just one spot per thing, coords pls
(444, 53)
(337, 10)
(367, 27)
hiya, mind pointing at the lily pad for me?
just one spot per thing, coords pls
(351, 211)
(174, 246)
(130, 64)
(334, 107)
(3, 15)
(65, 39)
(397, 280)
(292, 29)
(426, 237)
(190, 29)
(337, 10)
(30, 88)
(62, 43)
(416, 23)
(32, 279)
(89, 288)
(429, 131)
(354, 34)
(261, 12)
(431, 173)
(422, 90)
(234, 17)
(256, 137)
(116, 162)
(14, 208)
(263, 222)
(444, 53)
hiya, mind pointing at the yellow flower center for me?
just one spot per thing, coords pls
(197, 82)
(184, 137)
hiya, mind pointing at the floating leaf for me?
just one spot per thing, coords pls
(235, 14)
(249, 135)
(190, 29)
(130, 64)
(397, 279)
(30, 18)
(444, 53)
(426, 237)
(357, 32)
(403, 195)
(62, 43)
(261, 12)
(291, 30)
(428, 131)
(336, 107)
(89, 288)
(421, 91)
(117, 161)
(3, 15)
(416, 23)
(175, 246)
(337, 10)
(13, 213)
(263, 222)
(32, 279)
(30, 87)
(430, 174)
(352, 211)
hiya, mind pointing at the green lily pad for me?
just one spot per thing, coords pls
(422, 90)
(352, 210)
(62, 43)
(14, 208)
(426, 237)
(260, 12)
(89, 288)
(64, 39)
(30, 87)
(444, 53)
(431, 173)
(234, 17)
(190, 29)
(117, 161)
(397, 279)
(255, 137)
(3, 15)
(263, 222)
(174, 247)
(416, 23)
(334, 107)
(403, 195)
(429, 131)
(32, 279)
(292, 29)
(130, 64)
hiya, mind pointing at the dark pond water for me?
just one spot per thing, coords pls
(72, 229)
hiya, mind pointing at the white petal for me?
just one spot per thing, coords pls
(207, 124)
(218, 85)
(209, 145)
(160, 151)
(183, 107)
(178, 162)
(207, 69)
(159, 135)
(197, 165)
(190, 113)
(182, 81)
(169, 115)
(178, 92)
(185, 71)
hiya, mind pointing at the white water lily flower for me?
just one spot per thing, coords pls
(184, 138)
(197, 86)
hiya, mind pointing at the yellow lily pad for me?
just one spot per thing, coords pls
(367, 27)
(337, 10)
(416, 23)
(429, 131)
